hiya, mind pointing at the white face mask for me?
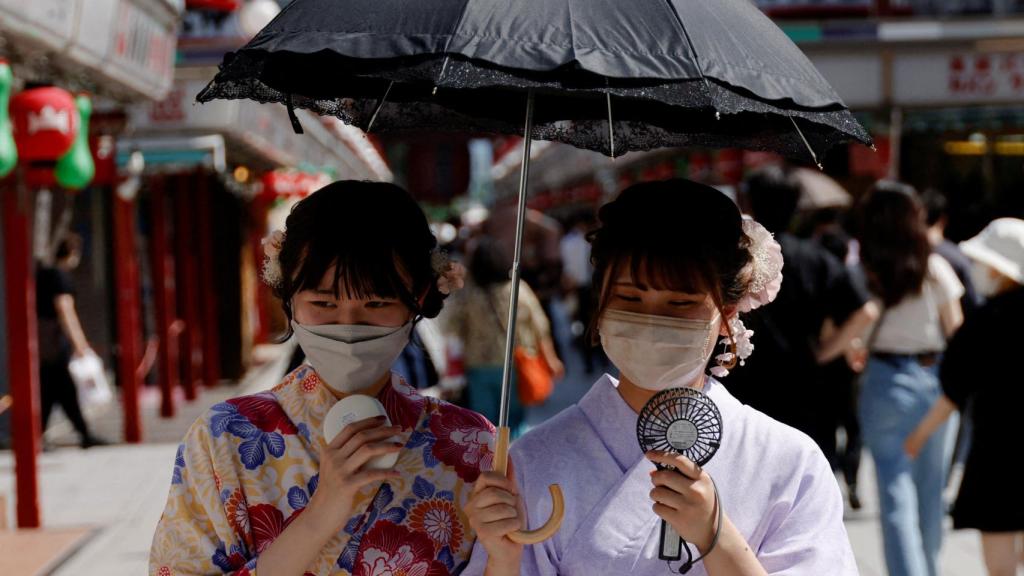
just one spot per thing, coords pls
(351, 357)
(656, 352)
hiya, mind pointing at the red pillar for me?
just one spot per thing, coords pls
(207, 281)
(129, 335)
(22, 352)
(167, 327)
(191, 348)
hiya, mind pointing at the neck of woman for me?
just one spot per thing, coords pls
(637, 397)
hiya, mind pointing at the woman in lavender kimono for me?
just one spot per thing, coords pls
(257, 487)
(674, 265)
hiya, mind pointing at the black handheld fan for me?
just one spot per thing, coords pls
(682, 421)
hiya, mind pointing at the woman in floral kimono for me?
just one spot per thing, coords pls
(674, 265)
(255, 485)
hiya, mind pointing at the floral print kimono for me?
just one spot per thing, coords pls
(250, 465)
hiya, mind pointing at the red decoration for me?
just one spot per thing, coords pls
(217, 5)
(45, 123)
(292, 183)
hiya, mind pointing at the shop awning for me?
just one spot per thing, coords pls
(257, 134)
(119, 48)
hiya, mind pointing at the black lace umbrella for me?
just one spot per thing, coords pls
(606, 75)
(609, 75)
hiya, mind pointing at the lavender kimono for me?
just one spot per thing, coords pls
(774, 483)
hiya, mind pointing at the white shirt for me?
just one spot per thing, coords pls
(576, 258)
(913, 326)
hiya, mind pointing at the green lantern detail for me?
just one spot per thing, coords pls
(75, 169)
(8, 150)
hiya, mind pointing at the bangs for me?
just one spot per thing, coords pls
(663, 270)
(361, 274)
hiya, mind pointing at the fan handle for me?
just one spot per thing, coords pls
(554, 522)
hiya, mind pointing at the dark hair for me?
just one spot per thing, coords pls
(488, 264)
(773, 192)
(935, 205)
(70, 244)
(674, 235)
(375, 234)
(893, 240)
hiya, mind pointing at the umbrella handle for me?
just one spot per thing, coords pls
(554, 522)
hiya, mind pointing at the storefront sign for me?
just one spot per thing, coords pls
(127, 43)
(959, 77)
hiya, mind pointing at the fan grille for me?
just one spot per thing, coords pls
(681, 420)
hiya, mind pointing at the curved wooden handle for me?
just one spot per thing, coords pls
(554, 521)
(550, 527)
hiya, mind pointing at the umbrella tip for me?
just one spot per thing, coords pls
(434, 92)
(718, 115)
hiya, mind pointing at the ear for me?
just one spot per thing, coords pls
(728, 313)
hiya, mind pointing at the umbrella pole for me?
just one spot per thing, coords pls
(513, 306)
(501, 450)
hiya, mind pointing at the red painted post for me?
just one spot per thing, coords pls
(22, 347)
(191, 350)
(207, 281)
(129, 336)
(162, 267)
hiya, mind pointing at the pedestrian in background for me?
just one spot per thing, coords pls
(841, 377)
(61, 338)
(816, 287)
(477, 318)
(975, 368)
(920, 296)
(576, 280)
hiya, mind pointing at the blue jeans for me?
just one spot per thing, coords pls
(896, 395)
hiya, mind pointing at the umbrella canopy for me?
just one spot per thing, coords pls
(610, 76)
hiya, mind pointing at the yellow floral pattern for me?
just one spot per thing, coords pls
(249, 466)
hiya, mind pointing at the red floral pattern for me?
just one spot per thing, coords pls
(464, 440)
(267, 524)
(264, 412)
(238, 516)
(392, 550)
(438, 519)
(403, 405)
(310, 383)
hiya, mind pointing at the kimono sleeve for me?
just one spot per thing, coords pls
(195, 535)
(806, 535)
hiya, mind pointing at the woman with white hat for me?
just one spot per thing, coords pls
(975, 369)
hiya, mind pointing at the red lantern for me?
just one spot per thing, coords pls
(215, 5)
(45, 122)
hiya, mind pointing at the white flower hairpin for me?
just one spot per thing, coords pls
(765, 281)
(272, 245)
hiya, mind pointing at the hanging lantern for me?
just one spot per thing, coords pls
(75, 169)
(8, 150)
(45, 123)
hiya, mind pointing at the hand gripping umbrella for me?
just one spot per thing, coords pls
(606, 75)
